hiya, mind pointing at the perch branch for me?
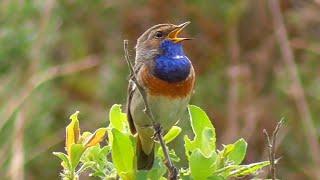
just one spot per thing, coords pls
(272, 148)
(173, 172)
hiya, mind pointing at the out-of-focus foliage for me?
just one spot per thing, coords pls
(57, 57)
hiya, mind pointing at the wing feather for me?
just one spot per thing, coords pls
(131, 91)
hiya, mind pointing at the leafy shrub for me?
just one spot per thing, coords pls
(117, 158)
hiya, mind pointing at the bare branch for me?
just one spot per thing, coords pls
(272, 148)
(173, 172)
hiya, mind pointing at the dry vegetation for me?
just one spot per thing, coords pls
(255, 61)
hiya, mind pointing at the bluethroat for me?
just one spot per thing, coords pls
(167, 76)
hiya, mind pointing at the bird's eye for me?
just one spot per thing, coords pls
(159, 34)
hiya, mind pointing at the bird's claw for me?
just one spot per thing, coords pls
(158, 131)
(173, 173)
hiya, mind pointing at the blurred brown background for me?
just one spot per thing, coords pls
(252, 69)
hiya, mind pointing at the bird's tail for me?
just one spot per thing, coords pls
(144, 161)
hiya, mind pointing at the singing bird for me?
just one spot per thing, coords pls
(167, 76)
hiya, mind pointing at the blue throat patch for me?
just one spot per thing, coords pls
(173, 65)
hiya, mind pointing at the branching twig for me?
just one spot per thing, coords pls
(173, 172)
(272, 148)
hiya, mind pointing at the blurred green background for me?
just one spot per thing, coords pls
(60, 56)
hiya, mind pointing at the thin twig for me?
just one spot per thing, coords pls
(173, 172)
(299, 97)
(272, 148)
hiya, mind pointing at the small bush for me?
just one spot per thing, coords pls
(117, 158)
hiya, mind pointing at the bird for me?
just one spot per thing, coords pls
(167, 76)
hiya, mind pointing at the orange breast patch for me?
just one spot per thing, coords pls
(159, 87)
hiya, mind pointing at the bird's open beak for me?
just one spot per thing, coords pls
(173, 35)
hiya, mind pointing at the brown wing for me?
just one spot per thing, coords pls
(129, 116)
(131, 90)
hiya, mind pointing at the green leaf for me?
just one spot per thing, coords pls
(223, 155)
(123, 154)
(239, 151)
(172, 134)
(225, 171)
(85, 166)
(244, 170)
(118, 119)
(84, 136)
(216, 178)
(65, 161)
(199, 119)
(76, 152)
(205, 137)
(96, 156)
(157, 171)
(142, 174)
(105, 151)
(201, 166)
(208, 141)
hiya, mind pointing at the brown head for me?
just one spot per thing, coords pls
(149, 42)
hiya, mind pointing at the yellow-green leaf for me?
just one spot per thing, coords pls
(72, 131)
(201, 166)
(244, 170)
(118, 119)
(96, 137)
(123, 155)
(172, 134)
(84, 136)
(205, 137)
(65, 161)
(239, 152)
(76, 151)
